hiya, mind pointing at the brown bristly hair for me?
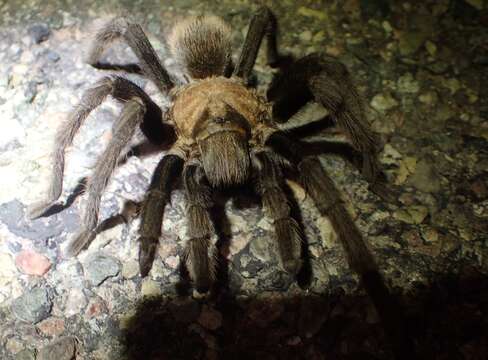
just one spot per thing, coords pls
(202, 45)
(225, 158)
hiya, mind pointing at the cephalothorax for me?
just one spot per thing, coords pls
(226, 134)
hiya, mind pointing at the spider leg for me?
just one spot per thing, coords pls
(275, 202)
(122, 90)
(91, 99)
(327, 198)
(263, 24)
(378, 185)
(140, 45)
(201, 256)
(324, 79)
(162, 183)
(132, 114)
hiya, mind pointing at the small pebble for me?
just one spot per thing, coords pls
(52, 55)
(32, 263)
(32, 306)
(39, 32)
(61, 349)
(51, 326)
(99, 267)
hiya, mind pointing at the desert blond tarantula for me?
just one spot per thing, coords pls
(226, 135)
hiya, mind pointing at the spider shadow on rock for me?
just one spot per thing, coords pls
(330, 326)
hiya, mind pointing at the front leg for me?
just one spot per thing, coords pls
(201, 247)
(136, 39)
(263, 24)
(159, 192)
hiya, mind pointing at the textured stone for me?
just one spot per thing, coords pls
(99, 267)
(150, 288)
(407, 84)
(39, 32)
(51, 326)
(7, 269)
(130, 269)
(25, 354)
(61, 349)
(33, 306)
(75, 302)
(32, 263)
(383, 102)
(95, 308)
(425, 178)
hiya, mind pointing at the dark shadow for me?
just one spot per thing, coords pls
(447, 320)
(131, 68)
(130, 209)
(312, 128)
(77, 191)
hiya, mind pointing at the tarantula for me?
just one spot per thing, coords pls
(226, 134)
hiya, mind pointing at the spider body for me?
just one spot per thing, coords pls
(218, 117)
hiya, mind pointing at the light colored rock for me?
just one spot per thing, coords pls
(407, 167)
(407, 84)
(150, 288)
(412, 215)
(383, 102)
(130, 269)
(172, 261)
(390, 155)
(75, 302)
(425, 178)
(7, 269)
(312, 13)
(99, 267)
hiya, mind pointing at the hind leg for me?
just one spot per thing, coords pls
(276, 204)
(324, 79)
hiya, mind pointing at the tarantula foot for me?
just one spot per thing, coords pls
(197, 294)
(146, 255)
(78, 242)
(39, 209)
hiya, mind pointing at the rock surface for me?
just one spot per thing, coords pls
(420, 68)
(33, 306)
